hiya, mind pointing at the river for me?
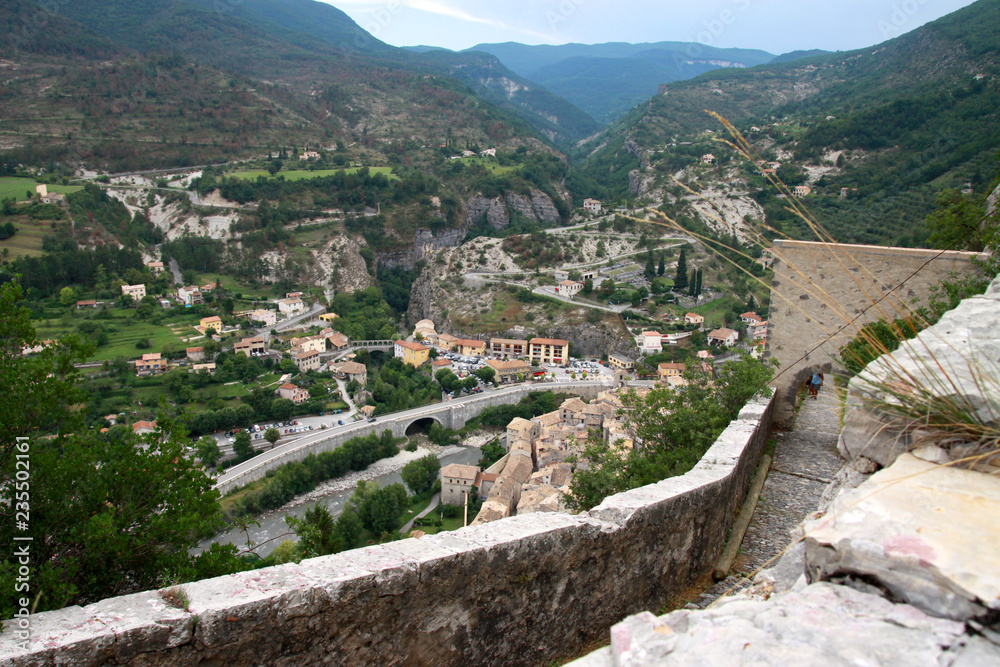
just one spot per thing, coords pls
(273, 530)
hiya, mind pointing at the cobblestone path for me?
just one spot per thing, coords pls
(805, 462)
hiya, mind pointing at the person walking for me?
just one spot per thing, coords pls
(814, 384)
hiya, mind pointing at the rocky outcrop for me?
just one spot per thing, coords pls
(537, 207)
(544, 207)
(820, 624)
(953, 363)
(638, 183)
(921, 531)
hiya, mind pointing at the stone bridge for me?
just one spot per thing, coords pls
(450, 414)
(373, 344)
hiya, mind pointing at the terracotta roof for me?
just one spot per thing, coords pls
(288, 385)
(464, 342)
(459, 471)
(441, 362)
(415, 347)
(548, 341)
(352, 368)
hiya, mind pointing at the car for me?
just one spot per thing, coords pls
(340, 422)
(371, 419)
(232, 440)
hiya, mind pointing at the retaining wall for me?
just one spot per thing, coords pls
(524, 590)
(821, 296)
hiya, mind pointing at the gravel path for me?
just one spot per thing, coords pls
(805, 462)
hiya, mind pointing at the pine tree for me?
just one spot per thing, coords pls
(751, 304)
(663, 267)
(681, 279)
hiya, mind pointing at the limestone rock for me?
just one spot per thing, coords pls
(520, 204)
(956, 360)
(924, 532)
(544, 207)
(821, 624)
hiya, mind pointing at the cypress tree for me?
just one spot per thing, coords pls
(693, 284)
(663, 267)
(681, 279)
(650, 271)
(697, 291)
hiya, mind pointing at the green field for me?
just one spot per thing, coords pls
(122, 342)
(28, 239)
(303, 174)
(489, 164)
(18, 187)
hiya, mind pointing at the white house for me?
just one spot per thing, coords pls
(292, 306)
(726, 337)
(592, 206)
(650, 342)
(569, 288)
(137, 292)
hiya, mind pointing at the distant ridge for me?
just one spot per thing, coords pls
(606, 80)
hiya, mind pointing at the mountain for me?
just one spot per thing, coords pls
(899, 122)
(606, 80)
(797, 55)
(559, 120)
(307, 45)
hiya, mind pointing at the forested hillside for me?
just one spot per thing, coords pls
(894, 124)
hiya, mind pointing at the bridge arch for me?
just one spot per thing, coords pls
(422, 423)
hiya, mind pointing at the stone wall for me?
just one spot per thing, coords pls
(449, 415)
(524, 590)
(823, 290)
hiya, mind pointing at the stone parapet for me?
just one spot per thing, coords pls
(524, 590)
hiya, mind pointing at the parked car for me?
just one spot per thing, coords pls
(340, 421)
(371, 419)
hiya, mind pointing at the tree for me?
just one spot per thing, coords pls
(421, 474)
(378, 509)
(116, 517)
(693, 284)
(649, 272)
(282, 408)
(588, 286)
(491, 453)
(67, 296)
(955, 223)
(242, 447)
(662, 267)
(697, 290)
(317, 531)
(469, 383)
(447, 379)
(272, 435)
(675, 428)
(486, 373)
(208, 450)
(681, 278)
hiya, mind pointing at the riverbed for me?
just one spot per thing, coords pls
(273, 530)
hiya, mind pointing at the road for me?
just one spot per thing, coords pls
(298, 319)
(175, 269)
(312, 437)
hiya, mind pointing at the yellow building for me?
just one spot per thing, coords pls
(413, 354)
(548, 351)
(329, 317)
(471, 348)
(214, 321)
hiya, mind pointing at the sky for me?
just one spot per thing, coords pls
(777, 26)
